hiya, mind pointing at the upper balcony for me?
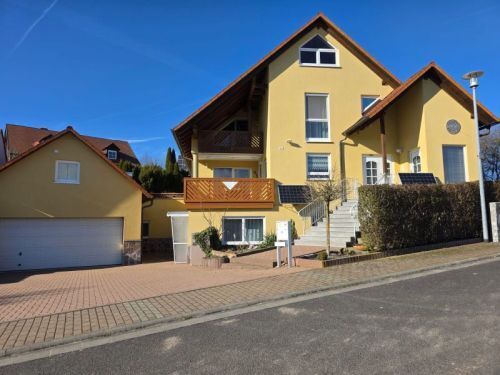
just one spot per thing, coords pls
(204, 193)
(230, 141)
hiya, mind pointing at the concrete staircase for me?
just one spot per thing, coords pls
(343, 226)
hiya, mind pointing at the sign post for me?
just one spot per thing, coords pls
(283, 237)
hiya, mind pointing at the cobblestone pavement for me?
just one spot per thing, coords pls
(71, 324)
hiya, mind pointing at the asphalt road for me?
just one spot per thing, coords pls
(447, 323)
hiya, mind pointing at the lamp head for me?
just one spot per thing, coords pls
(472, 77)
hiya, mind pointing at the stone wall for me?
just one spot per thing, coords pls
(131, 252)
(161, 246)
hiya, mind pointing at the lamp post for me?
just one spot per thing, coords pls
(472, 77)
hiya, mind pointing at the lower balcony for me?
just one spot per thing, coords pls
(201, 193)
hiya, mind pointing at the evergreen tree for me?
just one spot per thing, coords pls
(168, 161)
(176, 169)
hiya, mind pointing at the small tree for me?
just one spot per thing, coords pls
(490, 155)
(152, 177)
(168, 161)
(327, 191)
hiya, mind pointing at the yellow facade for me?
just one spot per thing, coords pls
(156, 216)
(415, 121)
(27, 189)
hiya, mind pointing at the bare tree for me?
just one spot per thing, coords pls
(328, 191)
(490, 155)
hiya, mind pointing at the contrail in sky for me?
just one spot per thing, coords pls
(144, 140)
(33, 25)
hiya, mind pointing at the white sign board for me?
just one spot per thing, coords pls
(282, 230)
(280, 244)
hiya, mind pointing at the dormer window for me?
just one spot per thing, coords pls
(112, 154)
(318, 52)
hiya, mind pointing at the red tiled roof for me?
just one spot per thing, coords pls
(70, 130)
(20, 138)
(445, 82)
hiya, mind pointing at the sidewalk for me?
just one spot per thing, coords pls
(42, 331)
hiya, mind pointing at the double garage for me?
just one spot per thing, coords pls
(41, 243)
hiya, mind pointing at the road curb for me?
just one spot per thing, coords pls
(197, 314)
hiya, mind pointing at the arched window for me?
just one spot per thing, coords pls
(318, 52)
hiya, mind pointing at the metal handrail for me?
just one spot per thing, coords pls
(316, 211)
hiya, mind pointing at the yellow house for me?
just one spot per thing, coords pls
(319, 106)
(63, 203)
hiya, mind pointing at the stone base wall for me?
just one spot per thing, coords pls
(131, 252)
(495, 220)
(159, 246)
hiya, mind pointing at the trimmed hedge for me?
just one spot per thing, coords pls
(399, 216)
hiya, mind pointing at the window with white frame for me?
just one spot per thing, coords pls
(368, 101)
(318, 52)
(318, 166)
(317, 118)
(242, 230)
(415, 161)
(233, 172)
(112, 154)
(454, 164)
(67, 172)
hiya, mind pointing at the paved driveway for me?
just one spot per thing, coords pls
(24, 295)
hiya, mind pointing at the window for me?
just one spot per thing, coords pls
(415, 161)
(67, 172)
(367, 101)
(233, 172)
(243, 230)
(371, 171)
(318, 166)
(112, 154)
(318, 52)
(145, 229)
(237, 125)
(317, 122)
(454, 164)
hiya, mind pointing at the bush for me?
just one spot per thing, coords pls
(269, 240)
(322, 255)
(208, 240)
(400, 216)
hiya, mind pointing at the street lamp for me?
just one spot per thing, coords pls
(472, 77)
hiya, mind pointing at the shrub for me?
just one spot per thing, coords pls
(400, 216)
(208, 240)
(269, 240)
(322, 255)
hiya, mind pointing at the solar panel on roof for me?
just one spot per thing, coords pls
(417, 178)
(294, 194)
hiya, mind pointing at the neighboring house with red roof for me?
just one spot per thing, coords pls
(64, 203)
(20, 138)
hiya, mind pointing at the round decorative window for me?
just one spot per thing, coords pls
(453, 126)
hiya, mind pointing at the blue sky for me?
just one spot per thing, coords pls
(134, 69)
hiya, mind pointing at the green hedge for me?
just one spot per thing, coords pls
(399, 216)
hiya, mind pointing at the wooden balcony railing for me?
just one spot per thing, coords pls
(200, 193)
(238, 142)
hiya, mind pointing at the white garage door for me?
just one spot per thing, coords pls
(27, 244)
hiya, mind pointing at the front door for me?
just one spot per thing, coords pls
(373, 171)
(179, 221)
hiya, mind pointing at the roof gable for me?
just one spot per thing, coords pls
(69, 130)
(442, 79)
(232, 95)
